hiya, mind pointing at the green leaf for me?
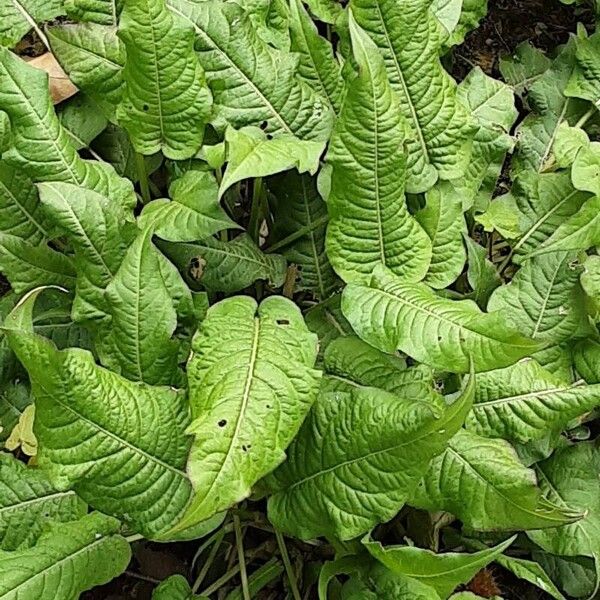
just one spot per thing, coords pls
(550, 108)
(586, 169)
(526, 65)
(532, 572)
(20, 213)
(194, 213)
(447, 12)
(392, 315)
(570, 477)
(27, 266)
(68, 559)
(317, 65)
(251, 81)
(369, 220)
(327, 321)
(250, 153)
(575, 575)
(298, 210)
(251, 382)
(578, 232)
(175, 587)
(18, 16)
(28, 501)
(98, 231)
(225, 266)
(492, 103)
(482, 482)
(443, 220)
(145, 300)
(472, 12)
(375, 582)
(569, 141)
(357, 460)
(443, 572)
(41, 145)
(349, 362)
(481, 273)
(441, 130)
(544, 299)
(586, 356)
(121, 446)
(93, 57)
(585, 80)
(14, 399)
(165, 101)
(81, 118)
(103, 12)
(524, 402)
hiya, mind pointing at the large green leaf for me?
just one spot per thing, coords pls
(443, 220)
(103, 12)
(20, 213)
(193, 213)
(165, 102)
(17, 17)
(392, 315)
(357, 460)
(145, 300)
(576, 575)
(443, 572)
(28, 501)
(532, 572)
(41, 145)
(225, 266)
(369, 221)
(250, 153)
(120, 445)
(67, 560)
(585, 80)
(299, 210)
(570, 478)
(27, 266)
(523, 67)
(586, 357)
(349, 362)
(409, 38)
(524, 402)
(482, 482)
(251, 81)
(251, 382)
(544, 300)
(81, 118)
(317, 64)
(93, 57)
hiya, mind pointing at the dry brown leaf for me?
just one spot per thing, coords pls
(61, 87)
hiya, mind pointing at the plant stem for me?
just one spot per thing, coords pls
(140, 166)
(300, 233)
(221, 581)
(239, 542)
(218, 538)
(256, 210)
(136, 537)
(584, 119)
(288, 566)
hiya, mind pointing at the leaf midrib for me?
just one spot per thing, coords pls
(38, 499)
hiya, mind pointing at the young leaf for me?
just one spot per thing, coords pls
(120, 445)
(392, 315)
(544, 300)
(317, 64)
(193, 213)
(250, 153)
(443, 220)
(225, 266)
(14, 398)
(482, 482)
(299, 210)
(585, 80)
(482, 274)
(103, 12)
(357, 460)
(328, 322)
(28, 501)
(443, 572)
(145, 300)
(165, 100)
(17, 17)
(93, 57)
(252, 82)
(27, 266)
(472, 12)
(369, 221)
(175, 587)
(586, 356)
(41, 146)
(524, 402)
(251, 382)
(570, 477)
(67, 560)
(81, 118)
(526, 65)
(409, 39)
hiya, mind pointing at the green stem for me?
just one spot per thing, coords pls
(288, 566)
(140, 166)
(221, 581)
(584, 119)
(218, 539)
(239, 542)
(256, 210)
(136, 537)
(299, 233)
